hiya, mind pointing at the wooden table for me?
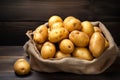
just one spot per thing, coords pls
(9, 54)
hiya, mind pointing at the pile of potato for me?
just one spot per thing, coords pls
(69, 38)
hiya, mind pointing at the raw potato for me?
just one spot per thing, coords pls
(106, 44)
(72, 23)
(60, 38)
(21, 67)
(49, 31)
(97, 44)
(79, 38)
(40, 35)
(57, 25)
(82, 53)
(66, 46)
(60, 55)
(97, 29)
(48, 50)
(54, 19)
(56, 35)
(67, 19)
(87, 27)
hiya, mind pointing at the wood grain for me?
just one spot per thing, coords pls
(18, 16)
(8, 58)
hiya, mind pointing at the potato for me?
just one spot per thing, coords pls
(97, 29)
(40, 35)
(58, 34)
(59, 39)
(87, 27)
(80, 39)
(49, 30)
(22, 67)
(48, 50)
(82, 53)
(54, 19)
(57, 25)
(60, 55)
(72, 23)
(67, 19)
(97, 44)
(106, 43)
(66, 46)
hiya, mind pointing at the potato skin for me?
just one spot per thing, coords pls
(72, 23)
(57, 25)
(87, 27)
(56, 35)
(82, 53)
(60, 38)
(106, 44)
(21, 67)
(97, 29)
(40, 34)
(48, 50)
(53, 19)
(80, 39)
(67, 19)
(97, 44)
(60, 55)
(66, 46)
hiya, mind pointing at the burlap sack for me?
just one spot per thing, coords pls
(73, 65)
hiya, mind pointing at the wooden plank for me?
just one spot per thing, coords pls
(7, 72)
(114, 30)
(42, 10)
(107, 10)
(18, 16)
(57, 76)
(11, 51)
(13, 33)
(8, 62)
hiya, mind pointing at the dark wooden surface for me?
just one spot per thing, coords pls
(18, 16)
(9, 54)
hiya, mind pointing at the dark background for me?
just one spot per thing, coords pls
(18, 16)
